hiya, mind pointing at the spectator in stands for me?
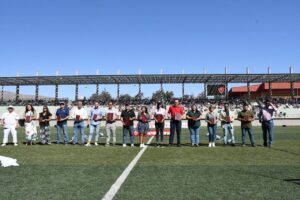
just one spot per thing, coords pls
(79, 115)
(143, 124)
(110, 127)
(266, 118)
(194, 123)
(95, 117)
(44, 120)
(246, 116)
(9, 121)
(62, 116)
(227, 118)
(176, 111)
(30, 126)
(127, 117)
(159, 116)
(212, 118)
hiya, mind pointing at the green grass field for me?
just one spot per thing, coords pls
(76, 172)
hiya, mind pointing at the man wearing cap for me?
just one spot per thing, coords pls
(10, 122)
(266, 118)
(246, 117)
(227, 119)
(127, 117)
(62, 116)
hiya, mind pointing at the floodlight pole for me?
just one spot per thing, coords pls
(248, 84)
(97, 89)
(2, 88)
(37, 88)
(226, 85)
(118, 92)
(292, 84)
(270, 84)
(17, 92)
(56, 92)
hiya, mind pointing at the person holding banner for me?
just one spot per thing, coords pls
(30, 126)
(143, 125)
(227, 119)
(159, 117)
(110, 127)
(194, 123)
(127, 117)
(267, 123)
(44, 119)
(9, 121)
(246, 117)
(94, 122)
(79, 115)
(62, 116)
(212, 121)
(176, 111)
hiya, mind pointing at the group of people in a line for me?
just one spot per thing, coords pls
(10, 121)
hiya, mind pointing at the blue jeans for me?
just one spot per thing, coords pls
(250, 133)
(64, 128)
(228, 128)
(212, 132)
(194, 135)
(79, 126)
(129, 129)
(92, 129)
(175, 125)
(267, 127)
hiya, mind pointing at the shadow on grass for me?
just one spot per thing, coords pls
(285, 151)
(295, 181)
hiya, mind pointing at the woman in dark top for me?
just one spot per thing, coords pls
(44, 119)
(194, 117)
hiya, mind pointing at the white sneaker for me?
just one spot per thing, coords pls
(3, 145)
(15, 144)
(141, 145)
(124, 145)
(213, 144)
(132, 145)
(96, 143)
(88, 145)
(209, 145)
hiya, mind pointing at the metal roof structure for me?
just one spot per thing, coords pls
(149, 79)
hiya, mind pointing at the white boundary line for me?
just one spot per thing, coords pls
(117, 185)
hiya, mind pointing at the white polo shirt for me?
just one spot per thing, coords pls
(10, 119)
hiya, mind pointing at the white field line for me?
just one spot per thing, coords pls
(117, 185)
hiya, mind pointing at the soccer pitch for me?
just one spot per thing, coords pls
(77, 172)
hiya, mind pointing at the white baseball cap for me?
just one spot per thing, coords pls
(10, 106)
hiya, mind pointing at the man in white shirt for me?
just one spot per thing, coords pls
(79, 115)
(10, 122)
(110, 127)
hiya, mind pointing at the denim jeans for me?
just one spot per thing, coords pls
(194, 135)
(92, 129)
(129, 129)
(250, 133)
(79, 126)
(175, 125)
(228, 128)
(212, 132)
(62, 127)
(267, 127)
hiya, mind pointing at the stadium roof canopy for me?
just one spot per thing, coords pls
(149, 79)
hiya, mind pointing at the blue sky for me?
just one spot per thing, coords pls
(128, 35)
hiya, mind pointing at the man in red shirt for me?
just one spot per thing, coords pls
(176, 112)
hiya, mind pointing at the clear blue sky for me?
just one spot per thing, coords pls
(128, 35)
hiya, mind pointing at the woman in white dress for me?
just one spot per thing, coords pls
(30, 126)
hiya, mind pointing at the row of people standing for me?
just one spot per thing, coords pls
(176, 112)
